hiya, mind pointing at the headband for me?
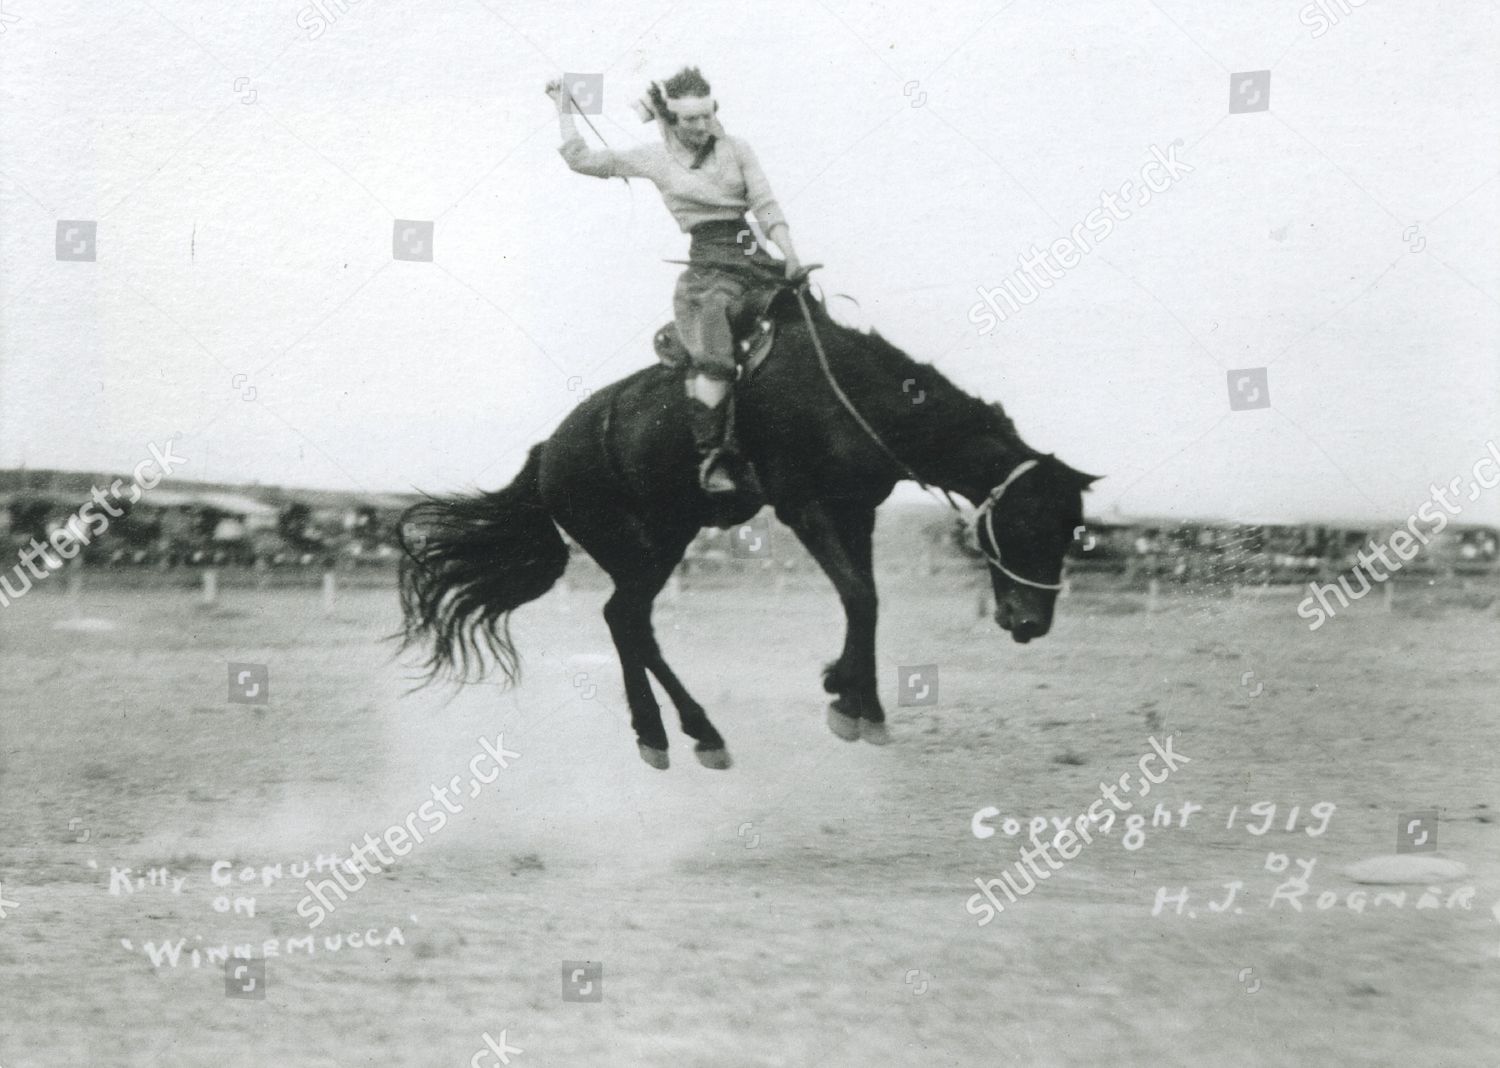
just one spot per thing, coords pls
(655, 105)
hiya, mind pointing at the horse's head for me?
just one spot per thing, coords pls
(1024, 529)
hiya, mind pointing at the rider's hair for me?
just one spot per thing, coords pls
(689, 81)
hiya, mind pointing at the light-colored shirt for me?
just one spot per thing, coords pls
(728, 184)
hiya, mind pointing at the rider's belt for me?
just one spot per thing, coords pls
(717, 230)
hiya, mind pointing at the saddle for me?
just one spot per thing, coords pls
(753, 329)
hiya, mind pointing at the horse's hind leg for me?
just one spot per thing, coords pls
(628, 614)
(710, 749)
(640, 560)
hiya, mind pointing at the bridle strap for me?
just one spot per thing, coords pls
(986, 514)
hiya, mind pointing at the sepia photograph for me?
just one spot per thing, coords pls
(691, 534)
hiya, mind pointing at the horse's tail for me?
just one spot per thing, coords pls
(467, 562)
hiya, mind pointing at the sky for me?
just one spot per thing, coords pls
(245, 166)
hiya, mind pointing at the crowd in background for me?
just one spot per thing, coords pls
(277, 529)
(293, 534)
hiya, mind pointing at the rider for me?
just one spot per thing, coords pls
(708, 180)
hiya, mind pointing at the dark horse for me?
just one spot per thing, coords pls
(619, 476)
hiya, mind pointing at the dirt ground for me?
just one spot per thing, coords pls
(806, 907)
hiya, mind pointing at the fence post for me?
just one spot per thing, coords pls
(330, 589)
(210, 585)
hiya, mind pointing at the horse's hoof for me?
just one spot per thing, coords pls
(718, 759)
(657, 758)
(846, 727)
(874, 733)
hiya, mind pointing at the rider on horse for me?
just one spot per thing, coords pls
(708, 180)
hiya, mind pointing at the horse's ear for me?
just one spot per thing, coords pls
(1082, 478)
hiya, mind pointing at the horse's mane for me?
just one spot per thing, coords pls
(963, 412)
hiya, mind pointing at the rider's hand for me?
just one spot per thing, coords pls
(554, 89)
(793, 265)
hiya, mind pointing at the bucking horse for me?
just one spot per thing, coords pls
(828, 420)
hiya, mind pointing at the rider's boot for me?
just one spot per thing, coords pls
(708, 426)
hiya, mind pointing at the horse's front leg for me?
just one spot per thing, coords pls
(839, 539)
(855, 527)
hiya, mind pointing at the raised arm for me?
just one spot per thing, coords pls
(599, 162)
